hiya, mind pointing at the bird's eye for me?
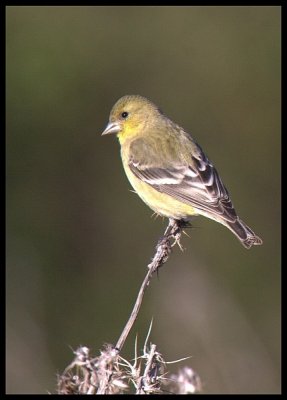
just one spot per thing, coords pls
(124, 115)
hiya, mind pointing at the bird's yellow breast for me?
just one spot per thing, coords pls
(160, 203)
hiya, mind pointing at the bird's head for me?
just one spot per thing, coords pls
(131, 115)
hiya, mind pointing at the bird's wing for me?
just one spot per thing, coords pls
(195, 183)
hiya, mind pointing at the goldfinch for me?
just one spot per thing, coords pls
(169, 170)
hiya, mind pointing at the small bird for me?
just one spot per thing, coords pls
(169, 170)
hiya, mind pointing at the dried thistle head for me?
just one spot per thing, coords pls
(88, 375)
(110, 373)
(186, 381)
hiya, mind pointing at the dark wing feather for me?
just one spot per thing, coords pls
(197, 184)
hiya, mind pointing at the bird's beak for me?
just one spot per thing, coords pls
(112, 127)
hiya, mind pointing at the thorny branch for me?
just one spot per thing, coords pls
(171, 236)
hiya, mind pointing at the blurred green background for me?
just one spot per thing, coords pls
(78, 241)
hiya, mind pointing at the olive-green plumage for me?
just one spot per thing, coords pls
(169, 170)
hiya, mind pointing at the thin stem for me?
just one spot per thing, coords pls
(163, 250)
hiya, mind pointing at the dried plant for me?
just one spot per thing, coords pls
(110, 373)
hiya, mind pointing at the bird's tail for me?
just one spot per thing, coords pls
(246, 236)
